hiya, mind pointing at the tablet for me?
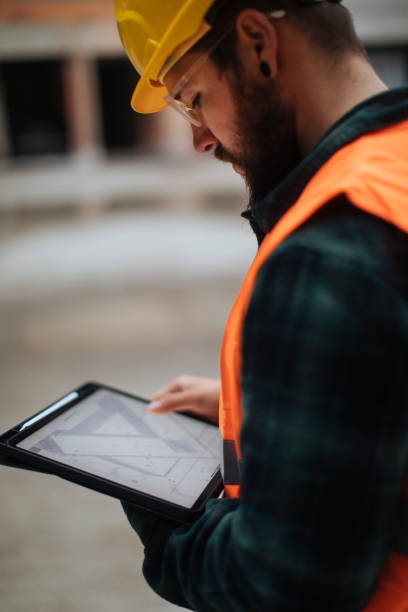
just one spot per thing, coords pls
(107, 440)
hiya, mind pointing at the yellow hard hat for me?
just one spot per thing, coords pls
(155, 35)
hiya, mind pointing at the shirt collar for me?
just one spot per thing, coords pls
(375, 113)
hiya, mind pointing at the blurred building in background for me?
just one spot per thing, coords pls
(66, 126)
(65, 86)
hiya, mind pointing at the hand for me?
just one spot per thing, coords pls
(193, 394)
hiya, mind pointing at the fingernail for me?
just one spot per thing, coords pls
(156, 405)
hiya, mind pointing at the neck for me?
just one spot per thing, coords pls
(326, 93)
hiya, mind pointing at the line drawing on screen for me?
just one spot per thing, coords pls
(168, 456)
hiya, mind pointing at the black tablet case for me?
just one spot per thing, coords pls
(12, 456)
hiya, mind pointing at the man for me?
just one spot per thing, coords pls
(313, 364)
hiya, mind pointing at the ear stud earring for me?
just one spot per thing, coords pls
(265, 69)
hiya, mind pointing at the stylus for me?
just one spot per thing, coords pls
(50, 409)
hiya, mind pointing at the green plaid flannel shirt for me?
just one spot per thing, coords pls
(325, 415)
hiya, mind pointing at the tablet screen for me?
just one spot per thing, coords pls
(170, 456)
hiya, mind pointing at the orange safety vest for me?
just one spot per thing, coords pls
(372, 172)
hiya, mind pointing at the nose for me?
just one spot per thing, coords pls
(203, 139)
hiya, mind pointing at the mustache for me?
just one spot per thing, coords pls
(223, 155)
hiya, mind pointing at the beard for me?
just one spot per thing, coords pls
(265, 131)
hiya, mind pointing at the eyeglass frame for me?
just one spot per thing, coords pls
(173, 99)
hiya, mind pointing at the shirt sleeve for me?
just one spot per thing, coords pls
(324, 451)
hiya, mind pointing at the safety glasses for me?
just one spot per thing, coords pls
(173, 98)
(192, 112)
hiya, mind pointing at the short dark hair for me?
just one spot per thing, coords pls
(327, 25)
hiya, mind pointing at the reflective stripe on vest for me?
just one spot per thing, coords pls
(372, 172)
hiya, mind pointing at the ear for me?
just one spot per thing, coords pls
(257, 42)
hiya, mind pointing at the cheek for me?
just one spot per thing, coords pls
(220, 120)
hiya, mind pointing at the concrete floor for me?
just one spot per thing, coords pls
(64, 548)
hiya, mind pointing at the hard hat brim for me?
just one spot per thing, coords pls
(146, 98)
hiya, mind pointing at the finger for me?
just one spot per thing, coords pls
(173, 401)
(187, 408)
(193, 409)
(177, 384)
(172, 387)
